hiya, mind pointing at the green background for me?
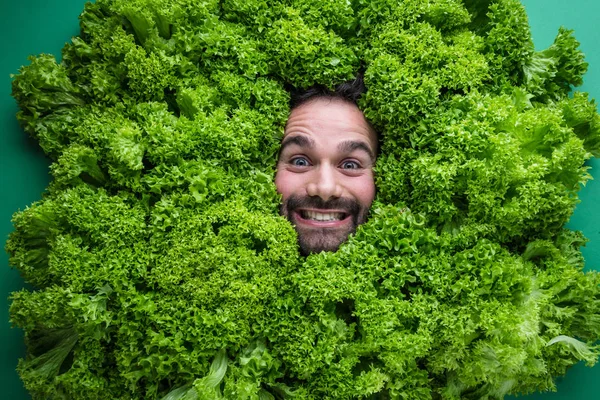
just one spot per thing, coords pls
(43, 26)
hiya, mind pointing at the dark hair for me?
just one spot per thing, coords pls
(349, 91)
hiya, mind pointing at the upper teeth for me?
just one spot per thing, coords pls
(323, 216)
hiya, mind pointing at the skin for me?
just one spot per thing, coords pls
(325, 170)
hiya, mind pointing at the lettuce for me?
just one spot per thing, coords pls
(162, 270)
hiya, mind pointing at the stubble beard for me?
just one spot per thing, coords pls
(314, 239)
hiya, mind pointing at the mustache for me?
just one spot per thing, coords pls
(350, 206)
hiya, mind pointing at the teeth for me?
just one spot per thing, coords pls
(317, 216)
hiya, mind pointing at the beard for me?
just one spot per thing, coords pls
(315, 239)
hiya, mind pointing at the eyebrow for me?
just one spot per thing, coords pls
(301, 141)
(351, 145)
(347, 146)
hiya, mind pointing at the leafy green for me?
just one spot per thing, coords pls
(162, 270)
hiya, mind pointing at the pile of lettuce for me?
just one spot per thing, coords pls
(160, 266)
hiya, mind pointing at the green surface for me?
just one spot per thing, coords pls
(36, 26)
(28, 27)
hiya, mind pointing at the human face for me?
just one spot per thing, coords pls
(325, 172)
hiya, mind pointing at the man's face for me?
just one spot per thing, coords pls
(324, 172)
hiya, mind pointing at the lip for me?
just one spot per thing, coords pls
(322, 224)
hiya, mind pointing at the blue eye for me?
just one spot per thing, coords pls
(300, 162)
(350, 165)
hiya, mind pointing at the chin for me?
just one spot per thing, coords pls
(317, 242)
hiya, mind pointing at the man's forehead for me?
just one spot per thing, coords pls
(329, 115)
(329, 109)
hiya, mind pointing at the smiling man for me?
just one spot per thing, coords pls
(325, 166)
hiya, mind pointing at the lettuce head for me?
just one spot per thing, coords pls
(161, 269)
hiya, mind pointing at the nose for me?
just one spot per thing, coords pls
(324, 183)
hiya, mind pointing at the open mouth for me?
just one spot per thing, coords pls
(322, 217)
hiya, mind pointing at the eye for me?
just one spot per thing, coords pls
(299, 162)
(350, 165)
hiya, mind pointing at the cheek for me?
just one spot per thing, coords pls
(365, 190)
(286, 182)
